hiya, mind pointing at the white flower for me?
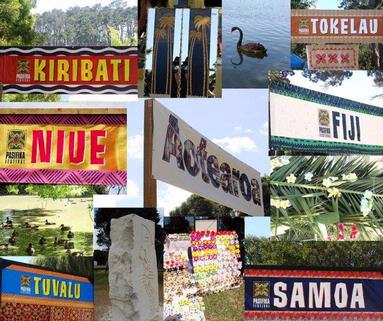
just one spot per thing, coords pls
(327, 182)
(279, 162)
(368, 194)
(275, 202)
(334, 192)
(352, 177)
(333, 178)
(285, 204)
(309, 176)
(291, 178)
(366, 205)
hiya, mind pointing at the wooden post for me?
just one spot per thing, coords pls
(150, 184)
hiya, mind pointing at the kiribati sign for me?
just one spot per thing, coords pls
(308, 121)
(273, 294)
(63, 149)
(71, 70)
(336, 26)
(332, 57)
(185, 158)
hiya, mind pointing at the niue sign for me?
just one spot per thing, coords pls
(71, 70)
(303, 120)
(337, 26)
(63, 149)
(185, 158)
(276, 292)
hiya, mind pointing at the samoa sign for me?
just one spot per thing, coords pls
(295, 293)
(337, 26)
(185, 158)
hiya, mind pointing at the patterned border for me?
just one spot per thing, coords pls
(318, 146)
(66, 177)
(293, 91)
(313, 49)
(69, 119)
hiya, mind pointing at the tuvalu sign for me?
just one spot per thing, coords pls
(69, 70)
(332, 294)
(184, 158)
(63, 149)
(337, 26)
(303, 120)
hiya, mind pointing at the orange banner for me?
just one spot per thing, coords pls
(337, 26)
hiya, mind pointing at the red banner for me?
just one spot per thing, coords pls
(69, 70)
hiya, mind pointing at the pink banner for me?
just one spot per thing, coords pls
(333, 57)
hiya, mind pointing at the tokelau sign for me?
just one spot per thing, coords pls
(70, 70)
(272, 293)
(185, 158)
(303, 120)
(337, 26)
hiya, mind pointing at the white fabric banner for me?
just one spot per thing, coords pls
(301, 119)
(186, 159)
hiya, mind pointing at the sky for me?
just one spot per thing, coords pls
(359, 87)
(257, 226)
(49, 5)
(327, 4)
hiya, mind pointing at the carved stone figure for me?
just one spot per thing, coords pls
(133, 276)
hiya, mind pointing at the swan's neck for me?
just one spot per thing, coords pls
(239, 43)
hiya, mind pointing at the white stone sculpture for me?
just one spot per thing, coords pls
(133, 276)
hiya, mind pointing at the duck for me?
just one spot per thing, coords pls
(43, 241)
(70, 235)
(12, 240)
(251, 48)
(49, 223)
(64, 228)
(30, 250)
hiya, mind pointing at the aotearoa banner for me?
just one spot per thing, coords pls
(27, 285)
(336, 26)
(69, 70)
(281, 294)
(185, 158)
(303, 120)
(332, 57)
(63, 149)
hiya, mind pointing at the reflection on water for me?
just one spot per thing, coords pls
(266, 22)
(257, 55)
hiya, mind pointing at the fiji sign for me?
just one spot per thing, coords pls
(273, 293)
(71, 70)
(63, 149)
(336, 26)
(185, 158)
(22, 284)
(304, 120)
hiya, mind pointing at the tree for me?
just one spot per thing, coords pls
(302, 4)
(76, 265)
(16, 22)
(197, 205)
(323, 197)
(103, 217)
(317, 254)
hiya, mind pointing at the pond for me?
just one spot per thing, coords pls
(266, 22)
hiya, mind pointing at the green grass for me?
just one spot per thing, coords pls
(225, 306)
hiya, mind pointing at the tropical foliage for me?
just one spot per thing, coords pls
(326, 198)
(318, 254)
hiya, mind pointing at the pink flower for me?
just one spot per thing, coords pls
(341, 227)
(340, 237)
(329, 238)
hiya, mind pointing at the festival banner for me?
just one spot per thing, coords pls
(69, 70)
(63, 149)
(336, 26)
(185, 158)
(307, 121)
(332, 57)
(199, 52)
(35, 286)
(292, 294)
(162, 59)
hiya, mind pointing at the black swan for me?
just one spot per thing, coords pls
(251, 48)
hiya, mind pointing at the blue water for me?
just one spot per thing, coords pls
(267, 22)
